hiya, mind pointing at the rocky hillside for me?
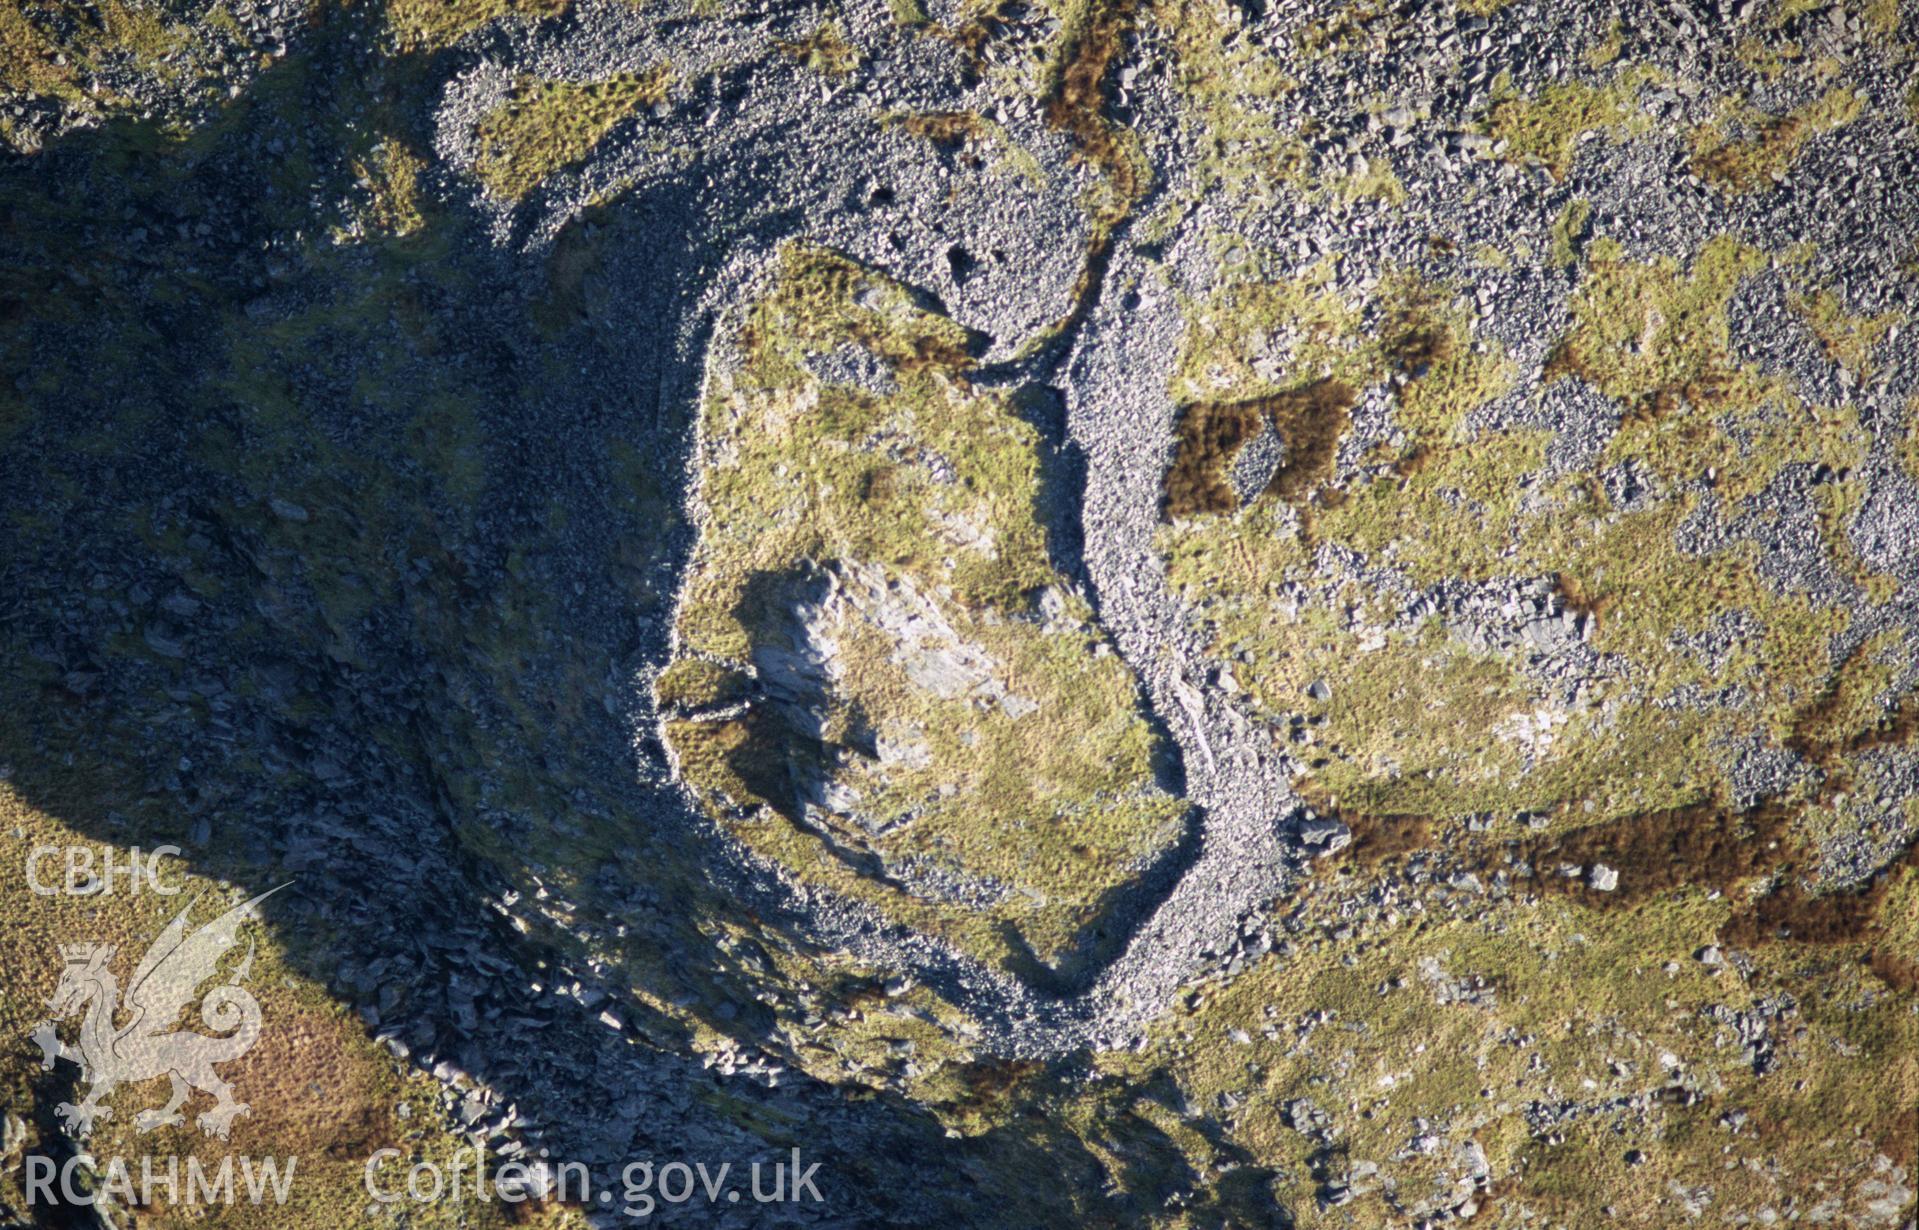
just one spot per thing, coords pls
(1090, 612)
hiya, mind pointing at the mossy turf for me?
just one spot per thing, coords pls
(1409, 707)
(1759, 161)
(995, 777)
(825, 50)
(428, 25)
(1539, 1059)
(544, 126)
(1546, 128)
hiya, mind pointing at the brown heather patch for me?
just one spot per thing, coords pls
(1414, 343)
(1653, 851)
(1706, 844)
(1490, 1200)
(1707, 391)
(1701, 845)
(1562, 362)
(946, 129)
(1790, 914)
(1210, 436)
(990, 1080)
(1578, 599)
(1656, 851)
(308, 1092)
(923, 353)
(1077, 102)
(1901, 973)
(972, 35)
(881, 485)
(1378, 839)
(1416, 459)
(825, 50)
(1309, 420)
(1810, 740)
(1755, 165)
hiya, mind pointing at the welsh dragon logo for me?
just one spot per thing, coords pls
(147, 1045)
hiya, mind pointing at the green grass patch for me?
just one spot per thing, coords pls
(545, 126)
(973, 725)
(1758, 162)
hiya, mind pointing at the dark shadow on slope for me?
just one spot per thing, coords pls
(1117, 917)
(318, 563)
(54, 1151)
(1122, 909)
(1062, 482)
(777, 753)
